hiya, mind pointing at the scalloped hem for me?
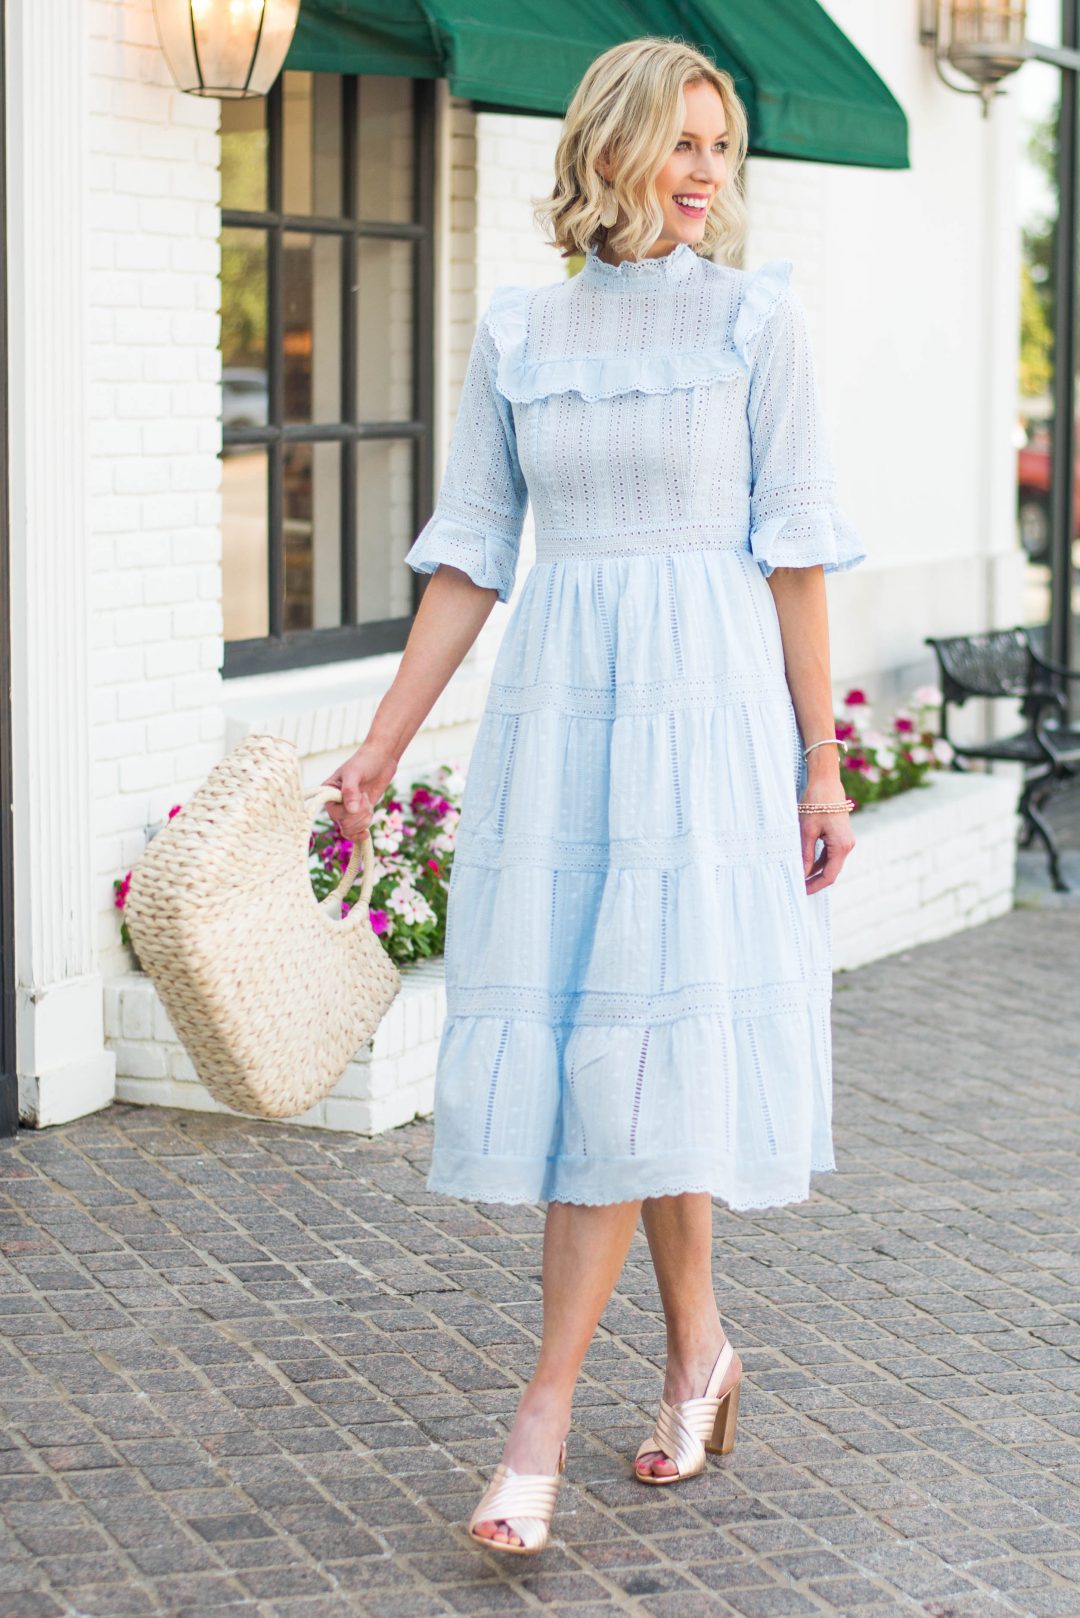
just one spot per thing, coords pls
(468, 1177)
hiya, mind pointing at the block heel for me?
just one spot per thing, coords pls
(722, 1440)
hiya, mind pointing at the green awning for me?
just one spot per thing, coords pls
(807, 90)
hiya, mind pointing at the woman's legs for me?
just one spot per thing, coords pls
(679, 1231)
(584, 1251)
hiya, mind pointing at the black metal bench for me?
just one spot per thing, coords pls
(1004, 663)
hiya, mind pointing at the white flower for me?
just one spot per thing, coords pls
(920, 754)
(886, 757)
(942, 750)
(875, 739)
(442, 843)
(400, 898)
(410, 905)
(872, 773)
(926, 696)
(453, 779)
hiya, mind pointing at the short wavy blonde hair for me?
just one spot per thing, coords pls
(627, 110)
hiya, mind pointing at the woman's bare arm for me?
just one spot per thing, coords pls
(451, 614)
(802, 609)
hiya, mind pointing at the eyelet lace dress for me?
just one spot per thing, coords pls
(637, 983)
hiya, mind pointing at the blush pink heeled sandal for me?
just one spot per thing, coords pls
(688, 1428)
(525, 1501)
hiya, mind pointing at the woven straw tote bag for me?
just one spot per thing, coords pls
(269, 990)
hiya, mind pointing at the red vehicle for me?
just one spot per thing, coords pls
(1033, 488)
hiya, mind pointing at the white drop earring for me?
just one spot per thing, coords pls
(610, 211)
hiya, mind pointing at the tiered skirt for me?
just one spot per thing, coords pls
(638, 985)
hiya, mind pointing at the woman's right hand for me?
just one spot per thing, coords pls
(363, 779)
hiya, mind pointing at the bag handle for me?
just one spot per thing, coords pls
(362, 849)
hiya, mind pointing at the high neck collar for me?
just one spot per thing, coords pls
(635, 274)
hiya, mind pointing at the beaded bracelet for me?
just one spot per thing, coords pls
(827, 808)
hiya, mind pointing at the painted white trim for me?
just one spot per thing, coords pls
(63, 1066)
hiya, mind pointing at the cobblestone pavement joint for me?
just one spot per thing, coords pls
(249, 1368)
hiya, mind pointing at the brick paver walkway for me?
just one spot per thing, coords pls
(253, 1368)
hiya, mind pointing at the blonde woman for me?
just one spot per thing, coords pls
(637, 953)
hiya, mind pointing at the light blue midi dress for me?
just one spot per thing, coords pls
(637, 983)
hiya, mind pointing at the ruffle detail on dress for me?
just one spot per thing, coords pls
(806, 538)
(762, 288)
(489, 559)
(522, 380)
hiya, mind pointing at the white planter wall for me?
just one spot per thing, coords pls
(926, 864)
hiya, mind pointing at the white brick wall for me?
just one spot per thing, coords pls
(154, 404)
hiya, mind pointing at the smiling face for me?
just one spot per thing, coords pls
(695, 169)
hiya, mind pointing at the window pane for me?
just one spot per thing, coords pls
(245, 542)
(384, 330)
(384, 522)
(311, 297)
(384, 158)
(312, 536)
(311, 159)
(243, 154)
(243, 300)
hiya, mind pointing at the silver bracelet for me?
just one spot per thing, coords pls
(841, 745)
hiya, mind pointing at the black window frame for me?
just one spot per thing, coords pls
(291, 649)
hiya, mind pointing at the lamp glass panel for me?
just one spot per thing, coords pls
(226, 34)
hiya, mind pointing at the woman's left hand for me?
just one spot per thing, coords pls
(821, 870)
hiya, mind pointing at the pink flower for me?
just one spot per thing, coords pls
(175, 810)
(857, 761)
(421, 798)
(442, 806)
(378, 921)
(855, 698)
(122, 891)
(903, 724)
(432, 865)
(394, 806)
(845, 730)
(345, 908)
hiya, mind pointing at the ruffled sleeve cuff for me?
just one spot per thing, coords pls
(805, 539)
(488, 558)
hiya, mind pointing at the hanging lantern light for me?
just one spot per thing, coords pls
(985, 40)
(227, 48)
